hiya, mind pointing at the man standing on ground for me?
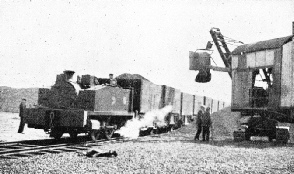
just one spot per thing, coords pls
(206, 123)
(199, 122)
(22, 108)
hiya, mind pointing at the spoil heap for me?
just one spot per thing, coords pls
(224, 123)
(131, 76)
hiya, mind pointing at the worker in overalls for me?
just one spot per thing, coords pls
(199, 122)
(206, 124)
(22, 108)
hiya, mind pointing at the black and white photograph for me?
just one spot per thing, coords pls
(147, 86)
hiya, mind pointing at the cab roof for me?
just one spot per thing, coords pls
(262, 45)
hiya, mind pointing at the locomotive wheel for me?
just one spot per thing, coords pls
(108, 133)
(247, 135)
(73, 134)
(95, 135)
(56, 134)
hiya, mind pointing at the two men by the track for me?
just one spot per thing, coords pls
(203, 123)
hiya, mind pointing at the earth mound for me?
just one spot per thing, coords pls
(131, 76)
(224, 122)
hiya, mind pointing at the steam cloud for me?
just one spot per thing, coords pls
(132, 127)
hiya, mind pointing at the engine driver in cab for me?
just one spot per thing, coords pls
(112, 81)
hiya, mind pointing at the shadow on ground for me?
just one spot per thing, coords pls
(220, 142)
(46, 142)
(243, 144)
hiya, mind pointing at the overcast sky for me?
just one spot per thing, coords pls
(153, 38)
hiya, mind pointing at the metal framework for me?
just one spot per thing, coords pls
(219, 42)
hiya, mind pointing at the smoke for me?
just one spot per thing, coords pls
(132, 127)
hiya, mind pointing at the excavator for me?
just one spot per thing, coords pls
(258, 80)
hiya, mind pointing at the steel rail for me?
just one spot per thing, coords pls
(20, 149)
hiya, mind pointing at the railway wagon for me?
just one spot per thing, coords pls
(146, 95)
(198, 101)
(172, 96)
(149, 96)
(214, 105)
(67, 108)
(221, 105)
(187, 103)
(208, 102)
(227, 104)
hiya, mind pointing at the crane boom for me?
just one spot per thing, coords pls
(219, 42)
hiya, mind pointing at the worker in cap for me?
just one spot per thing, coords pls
(199, 122)
(112, 81)
(22, 108)
(206, 124)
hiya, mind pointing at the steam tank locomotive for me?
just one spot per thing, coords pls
(80, 107)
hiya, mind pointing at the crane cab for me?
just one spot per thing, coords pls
(262, 76)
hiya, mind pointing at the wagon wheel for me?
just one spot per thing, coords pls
(73, 134)
(247, 135)
(56, 134)
(171, 128)
(282, 136)
(95, 135)
(108, 133)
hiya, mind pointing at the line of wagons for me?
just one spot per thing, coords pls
(87, 106)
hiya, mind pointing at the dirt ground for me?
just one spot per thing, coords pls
(174, 152)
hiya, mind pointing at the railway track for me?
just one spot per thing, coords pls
(13, 150)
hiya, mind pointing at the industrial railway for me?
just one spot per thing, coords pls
(87, 104)
(29, 148)
(98, 107)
